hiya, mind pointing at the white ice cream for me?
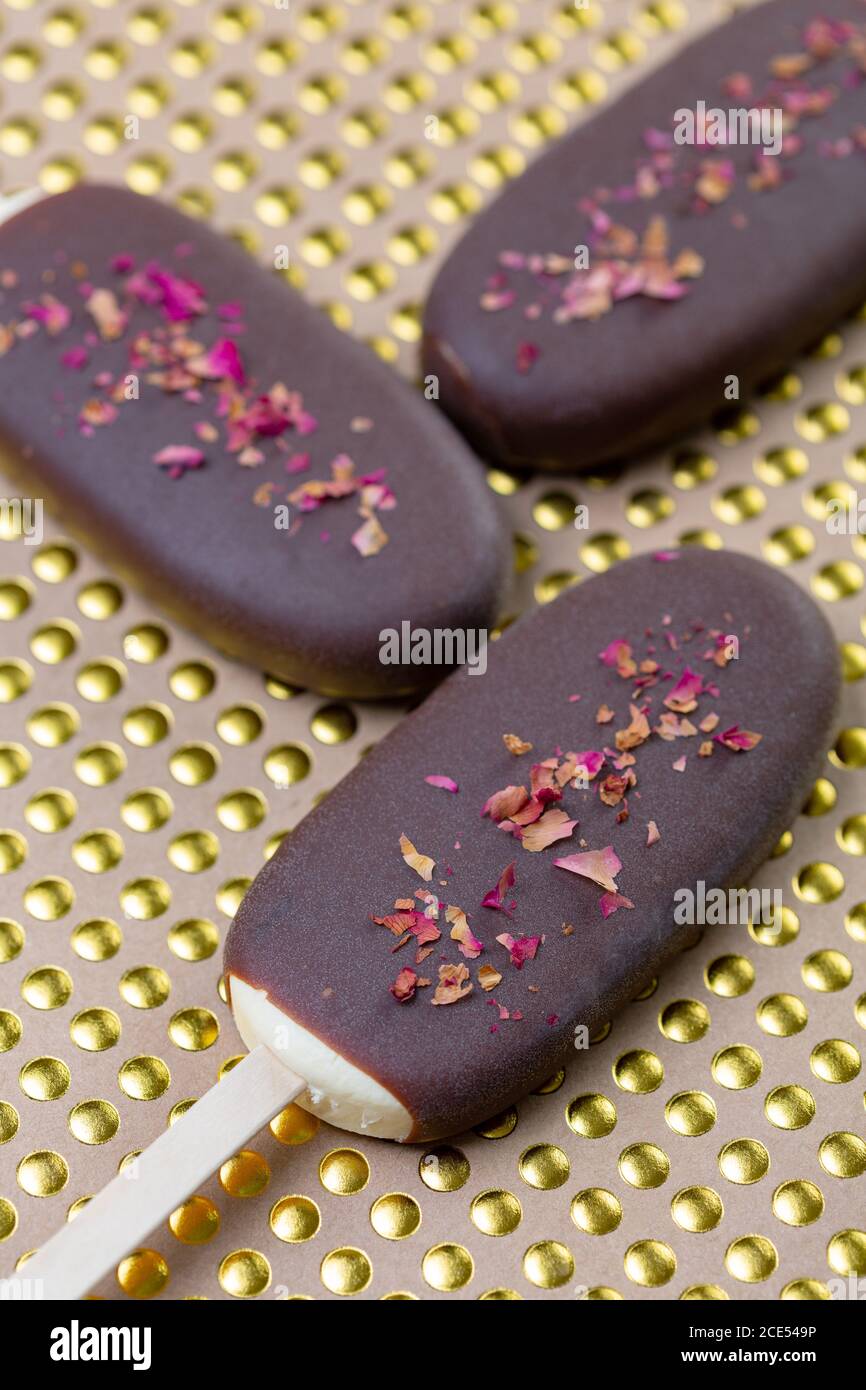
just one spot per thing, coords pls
(338, 1091)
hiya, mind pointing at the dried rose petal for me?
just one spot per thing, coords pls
(611, 902)
(553, 825)
(737, 739)
(520, 949)
(495, 898)
(600, 865)
(653, 833)
(403, 988)
(489, 977)
(446, 783)
(516, 745)
(421, 863)
(504, 804)
(454, 984)
(469, 945)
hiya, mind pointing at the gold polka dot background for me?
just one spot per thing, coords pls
(710, 1144)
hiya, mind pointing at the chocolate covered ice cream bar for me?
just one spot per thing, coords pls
(524, 852)
(670, 255)
(261, 476)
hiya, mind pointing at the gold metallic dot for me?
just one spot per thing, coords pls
(51, 810)
(145, 643)
(544, 1166)
(11, 1030)
(294, 1126)
(13, 851)
(93, 1122)
(244, 1274)
(644, 1165)
(145, 898)
(650, 1263)
(43, 1173)
(780, 466)
(638, 1071)
(344, 1172)
(287, 764)
(603, 551)
(245, 1174)
(823, 422)
(697, 1209)
(15, 598)
(737, 1067)
(14, 764)
(193, 680)
(8, 1122)
(684, 1020)
(805, 1290)
(230, 895)
(99, 600)
(826, 971)
(704, 1293)
(333, 724)
(16, 677)
(819, 500)
(97, 940)
(195, 1222)
(145, 987)
(554, 511)
(846, 1253)
(822, 798)
(49, 987)
(850, 749)
(730, 976)
(144, 1078)
(648, 507)
(497, 1296)
(99, 764)
(146, 810)
(592, 1116)
(853, 661)
(552, 585)
(819, 883)
(743, 1161)
(396, 1215)
(240, 725)
(788, 544)
(835, 1061)
(776, 929)
(100, 680)
(346, 1271)
(98, 851)
(738, 504)
(147, 725)
(690, 468)
(194, 852)
(838, 580)
(48, 899)
(95, 1030)
(45, 1078)
(782, 1015)
(751, 1259)
(242, 810)
(143, 1274)
(843, 1155)
(194, 1029)
(503, 484)
(798, 1202)
(691, 1113)
(710, 540)
(789, 1107)
(194, 939)
(193, 764)
(54, 563)
(444, 1169)
(596, 1211)
(11, 940)
(295, 1219)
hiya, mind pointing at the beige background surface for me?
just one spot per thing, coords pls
(308, 126)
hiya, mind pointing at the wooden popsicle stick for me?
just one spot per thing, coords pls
(116, 1220)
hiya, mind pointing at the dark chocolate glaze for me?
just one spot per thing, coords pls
(304, 933)
(309, 611)
(649, 370)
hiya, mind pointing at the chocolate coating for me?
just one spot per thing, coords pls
(304, 932)
(781, 266)
(303, 608)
